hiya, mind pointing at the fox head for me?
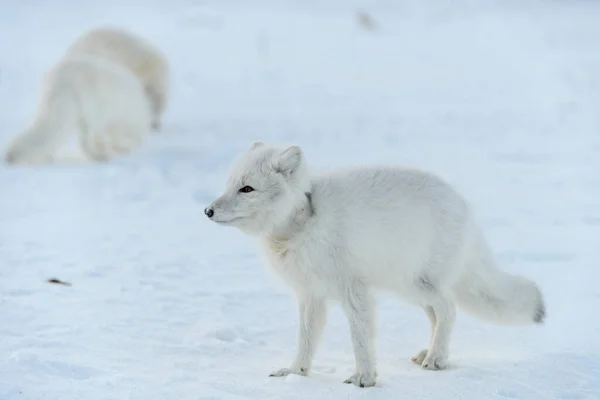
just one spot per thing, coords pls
(265, 185)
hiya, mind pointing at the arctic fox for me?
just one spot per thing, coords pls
(102, 102)
(345, 233)
(132, 52)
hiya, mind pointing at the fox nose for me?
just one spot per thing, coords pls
(209, 212)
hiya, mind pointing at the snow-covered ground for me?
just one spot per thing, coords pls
(500, 98)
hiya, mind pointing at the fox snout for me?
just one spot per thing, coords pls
(221, 212)
(211, 210)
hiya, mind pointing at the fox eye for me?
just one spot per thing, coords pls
(247, 189)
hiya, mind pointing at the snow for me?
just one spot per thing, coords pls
(502, 99)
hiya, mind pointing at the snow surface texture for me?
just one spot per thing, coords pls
(501, 99)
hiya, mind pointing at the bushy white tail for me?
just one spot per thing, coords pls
(54, 121)
(494, 295)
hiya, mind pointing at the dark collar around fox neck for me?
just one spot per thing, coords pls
(309, 204)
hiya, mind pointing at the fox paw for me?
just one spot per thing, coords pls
(434, 362)
(361, 380)
(418, 359)
(288, 371)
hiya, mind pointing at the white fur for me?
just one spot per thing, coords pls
(132, 52)
(103, 103)
(348, 232)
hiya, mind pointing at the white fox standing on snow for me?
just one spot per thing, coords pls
(343, 234)
(132, 52)
(104, 103)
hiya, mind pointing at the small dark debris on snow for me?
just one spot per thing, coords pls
(366, 21)
(59, 282)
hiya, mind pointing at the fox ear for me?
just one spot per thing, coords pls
(288, 160)
(256, 145)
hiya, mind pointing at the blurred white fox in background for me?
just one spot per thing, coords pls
(102, 102)
(132, 52)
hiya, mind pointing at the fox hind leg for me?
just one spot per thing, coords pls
(420, 356)
(444, 311)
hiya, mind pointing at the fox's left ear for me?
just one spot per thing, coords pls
(256, 145)
(288, 160)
